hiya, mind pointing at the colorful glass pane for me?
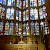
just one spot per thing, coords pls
(1, 26)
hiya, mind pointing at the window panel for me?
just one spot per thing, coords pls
(42, 12)
(2, 12)
(41, 2)
(24, 29)
(11, 28)
(10, 13)
(42, 25)
(1, 26)
(27, 14)
(36, 28)
(6, 28)
(16, 28)
(19, 4)
(32, 28)
(18, 15)
(33, 3)
(4, 2)
(25, 3)
(27, 28)
(33, 14)
(36, 14)
(10, 2)
(24, 16)
(20, 29)
(46, 29)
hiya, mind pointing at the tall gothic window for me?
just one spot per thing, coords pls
(23, 17)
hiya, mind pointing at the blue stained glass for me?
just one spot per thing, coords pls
(31, 3)
(4, 2)
(43, 1)
(12, 14)
(1, 1)
(11, 24)
(32, 17)
(17, 13)
(3, 8)
(1, 26)
(32, 14)
(12, 2)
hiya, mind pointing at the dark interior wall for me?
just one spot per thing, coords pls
(48, 19)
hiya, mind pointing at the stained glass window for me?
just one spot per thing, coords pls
(36, 28)
(42, 12)
(33, 14)
(20, 29)
(41, 2)
(16, 28)
(32, 28)
(6, 28)
(1, 26)
(18, 15)
(42, 25)
(19, 4)
(2, 12)
(11, 28)
(3, 2)
(10, 13)
(24, 29)
(24, 16)
(33, 3)
(46, 29)
(25, 3)
(10, 2)
(27, 28)
(27, 14)
(36, 14)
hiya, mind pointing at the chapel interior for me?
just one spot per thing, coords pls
(24, 24)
